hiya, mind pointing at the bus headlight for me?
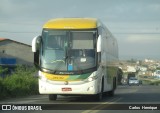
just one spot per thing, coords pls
(92, 77)
(42, 77)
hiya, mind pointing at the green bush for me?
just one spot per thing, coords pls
(2, 89)
(155, 82)
(150, 82)
(20, 83)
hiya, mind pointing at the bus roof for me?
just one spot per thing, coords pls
(71, 23)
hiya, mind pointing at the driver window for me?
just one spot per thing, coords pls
(53, 42)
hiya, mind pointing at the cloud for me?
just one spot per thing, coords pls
(147, 38)
(139, 46)
(154, 7)
(124, 17)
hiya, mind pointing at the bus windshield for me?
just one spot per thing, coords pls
(66, 50)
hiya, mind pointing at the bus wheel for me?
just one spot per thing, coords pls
(99, 96)
(111, 93)
(52, 97)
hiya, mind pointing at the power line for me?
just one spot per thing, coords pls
(23, 23)
(138, 33)
(18, 32)
(150, 33)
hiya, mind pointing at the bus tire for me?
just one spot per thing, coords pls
(111, 93)
(52, 97)
(99, 96)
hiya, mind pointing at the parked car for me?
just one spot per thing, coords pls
(133, 81)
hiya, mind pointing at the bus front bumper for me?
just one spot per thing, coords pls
(86, 88)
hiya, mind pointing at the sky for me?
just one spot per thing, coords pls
(134, 23)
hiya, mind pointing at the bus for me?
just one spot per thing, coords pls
(76, 56)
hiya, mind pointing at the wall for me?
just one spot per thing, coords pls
(20, 51)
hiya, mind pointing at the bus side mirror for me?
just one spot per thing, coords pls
(35, 48)
(35, 43)
(99, 43)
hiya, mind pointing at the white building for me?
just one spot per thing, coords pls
(143, 69)
(131, 69)
(157, 73)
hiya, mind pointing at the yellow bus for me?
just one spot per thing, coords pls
(76, 56)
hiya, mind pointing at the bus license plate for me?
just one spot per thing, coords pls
(66, 89)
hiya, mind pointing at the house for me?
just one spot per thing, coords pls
(143, 69)
(13, 52)
(131, 69)
(157, 73)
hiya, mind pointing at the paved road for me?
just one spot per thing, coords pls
(126, 97)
